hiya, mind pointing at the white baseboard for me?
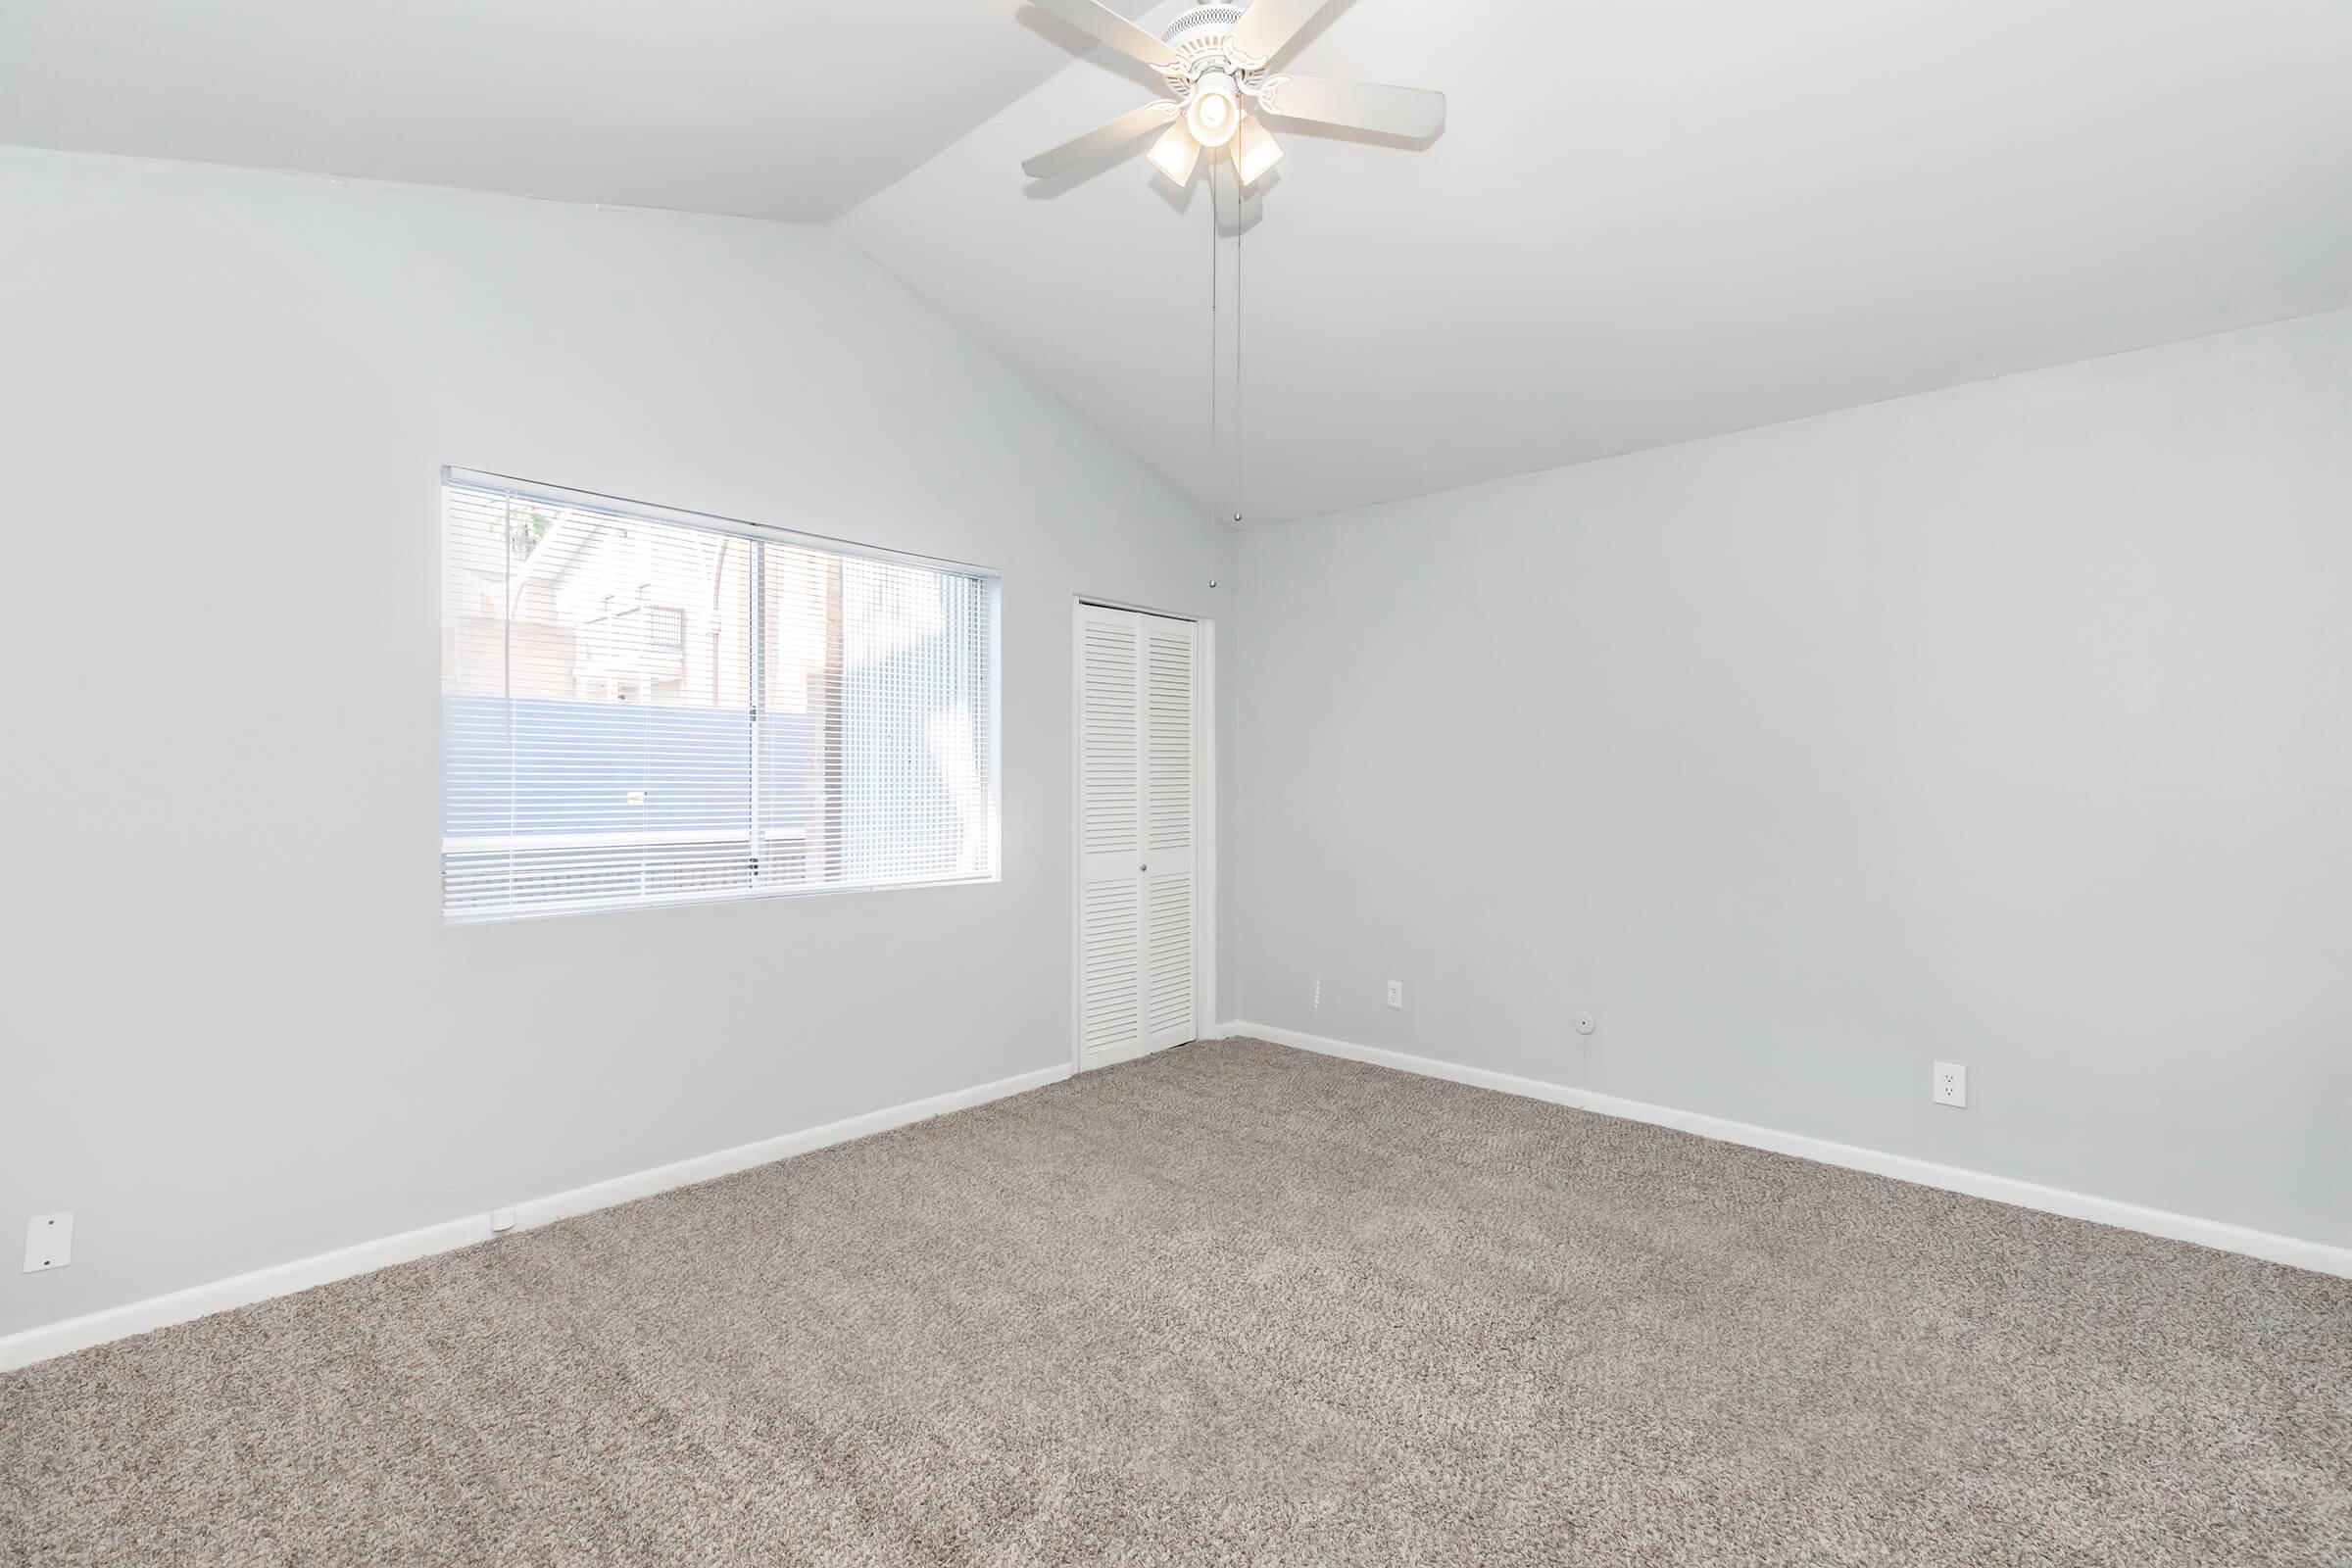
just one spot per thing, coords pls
(283, 1279)
(2319, 1257)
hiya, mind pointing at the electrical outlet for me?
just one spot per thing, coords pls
(48, 1242)
(1397, 994)
(1951, 1085)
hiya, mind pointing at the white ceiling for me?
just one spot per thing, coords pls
(1650, 221)
(764, 108)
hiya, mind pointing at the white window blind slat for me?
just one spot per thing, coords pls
(639, 709)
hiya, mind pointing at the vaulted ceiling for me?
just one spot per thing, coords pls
(1646, 220)
(762, 108)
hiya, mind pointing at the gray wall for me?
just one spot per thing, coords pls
(2010, 725)
(236, 1032)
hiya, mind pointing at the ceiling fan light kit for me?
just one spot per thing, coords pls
(1214, 58)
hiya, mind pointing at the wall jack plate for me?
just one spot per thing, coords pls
(48, 1242)
(1950, 1084)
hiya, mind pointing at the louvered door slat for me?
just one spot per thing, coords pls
(1108, 999)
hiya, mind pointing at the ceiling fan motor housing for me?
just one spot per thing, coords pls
(1198, 39)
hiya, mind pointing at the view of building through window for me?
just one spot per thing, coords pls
(641, 709)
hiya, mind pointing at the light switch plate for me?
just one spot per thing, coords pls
(48, 1242)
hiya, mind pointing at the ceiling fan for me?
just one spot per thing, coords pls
(1214, 58)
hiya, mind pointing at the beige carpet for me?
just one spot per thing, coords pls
(1232, 1304)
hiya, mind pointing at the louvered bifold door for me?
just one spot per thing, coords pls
(1166, 648)
(1136, 833)
(1110, 778)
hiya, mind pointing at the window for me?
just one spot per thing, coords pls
(641, 705)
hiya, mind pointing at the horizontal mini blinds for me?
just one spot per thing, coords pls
(647, 710)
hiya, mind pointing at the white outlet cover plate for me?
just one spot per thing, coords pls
(48, 1242)
(1395, 993)
(1949, 1086)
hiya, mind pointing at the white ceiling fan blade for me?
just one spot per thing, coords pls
(1113, 30)
(1099, 142)
(1414, 112)
(1267, 27)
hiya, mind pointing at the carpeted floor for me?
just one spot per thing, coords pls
(1232, 1304)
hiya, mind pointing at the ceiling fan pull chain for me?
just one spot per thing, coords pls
(1213, 379)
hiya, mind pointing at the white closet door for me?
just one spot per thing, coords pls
(1169, 813)
(1137, 833)
(1110, 844)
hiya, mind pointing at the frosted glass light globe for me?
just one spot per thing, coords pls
(1214, 112)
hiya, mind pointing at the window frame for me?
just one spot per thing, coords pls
(989, 577)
